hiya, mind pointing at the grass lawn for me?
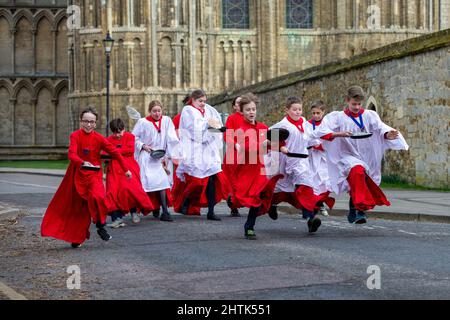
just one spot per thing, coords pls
(36, 164)
(396, 182)
(410, 187)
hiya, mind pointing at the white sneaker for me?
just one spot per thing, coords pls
(116, 224)
(323, 212)
(121, 224)
(135, 218)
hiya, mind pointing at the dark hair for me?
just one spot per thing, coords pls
(234, 101)
(89, 109)
(292, 100)
(319, 104)
(197, 94)
(116, 125)
(355, 92)
(154, 103)
(186, 98)
(246, 99)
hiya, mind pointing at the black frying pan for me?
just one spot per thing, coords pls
(297, 155)
(280, 133)
(91, 168)
(157, 154)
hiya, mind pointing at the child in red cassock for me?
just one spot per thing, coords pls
(124, 195)
(234, 122)
(81, 197)
(252, 188)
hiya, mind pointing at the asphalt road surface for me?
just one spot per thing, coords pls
(192, 258)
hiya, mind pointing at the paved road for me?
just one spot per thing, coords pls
(193, 258)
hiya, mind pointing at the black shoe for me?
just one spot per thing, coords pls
(156, 213)
(75, 245)
(235, 213)
(166, 217)
(250, 234)
(229, 202)
(212, 216)
(314, 224)
(351, 216)
(273, 213)
(103, 234)
(360, 217)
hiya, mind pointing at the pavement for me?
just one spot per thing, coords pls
(413, 205)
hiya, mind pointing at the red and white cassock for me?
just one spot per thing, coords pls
(357, 161)
(159, 135)
(178, 186)
(125, 193)
(296, 171)
(318, 161)
(201, 148)
(201, 158)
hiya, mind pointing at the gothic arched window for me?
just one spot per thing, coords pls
(235, 14)
(299, 14)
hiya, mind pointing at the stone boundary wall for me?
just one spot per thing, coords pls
(407, 83)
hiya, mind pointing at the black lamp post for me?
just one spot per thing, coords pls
(108, 44)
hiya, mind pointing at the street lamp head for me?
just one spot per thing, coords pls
(108, 43)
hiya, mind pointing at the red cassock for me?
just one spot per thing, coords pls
(81, 197)
(233, 123)
(178, 185)
(304, 197)
(364, 191)
(194, 189)
(252, 187)
(176, 121)
(122, 193)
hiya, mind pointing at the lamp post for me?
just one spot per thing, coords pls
(108, 43)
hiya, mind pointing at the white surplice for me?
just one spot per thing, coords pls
(153, 175)
(318, 165)
(296, 171)
(201, 148)
(345, 153)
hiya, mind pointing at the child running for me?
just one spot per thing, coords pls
(124, 195)
(252, 188)
(355, 163)
(298, 185)
(202, 182)
(234, 122)
(81, 196)
(156, 132)
(178, 185)
(317, 157)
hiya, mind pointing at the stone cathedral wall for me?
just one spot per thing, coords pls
(407, 83)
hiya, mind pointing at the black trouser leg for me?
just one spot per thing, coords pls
(185, 206)
(308, 214)
(116, 215)
(99, 225)
(351, 206)
(251, 218)
(163, 197)
(211, 194)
